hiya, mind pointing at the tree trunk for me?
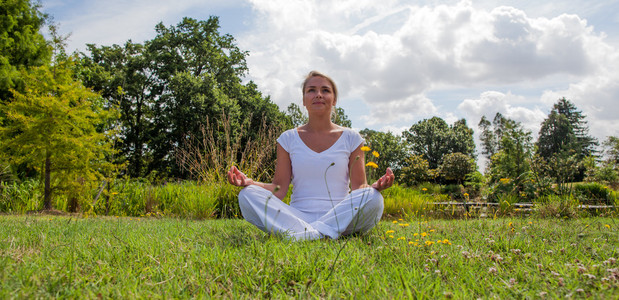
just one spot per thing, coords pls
(47, 200)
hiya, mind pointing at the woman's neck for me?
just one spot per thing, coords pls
(319, 124)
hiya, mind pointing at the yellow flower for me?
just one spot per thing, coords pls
(607, 226)
(429, 243)
(411, 242)
(401, 238)
(372, 164)
(504, 180)
(466, 195)
(391, 236)
(424, 189)
(395, 222)
(431, 230)
(375, 154)
(445, 241)
(423, 234)
(365, 149)
(389, 231)
(510, 224)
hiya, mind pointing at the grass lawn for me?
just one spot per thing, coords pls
(75, 257)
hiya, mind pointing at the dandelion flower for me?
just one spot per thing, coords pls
(401, 238)
(423, 234)
(424, 189)
(375, 154)
(365, 149)
(391, 236)
(372, 164)
(394, 222)
(411, 242)
(607, 226)
(389, 231)
(429, 243)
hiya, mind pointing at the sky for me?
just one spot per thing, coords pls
(398, 62)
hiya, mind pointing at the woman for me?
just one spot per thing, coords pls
(324, 161)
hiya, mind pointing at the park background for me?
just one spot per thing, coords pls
(112, 157)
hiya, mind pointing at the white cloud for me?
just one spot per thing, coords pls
(391, 55)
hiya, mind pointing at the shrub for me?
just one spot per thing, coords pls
(594, 192)
(552, 206)
(20, 197)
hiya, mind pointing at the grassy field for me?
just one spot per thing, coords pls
(76, 257)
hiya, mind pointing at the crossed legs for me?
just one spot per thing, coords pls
(359, 212)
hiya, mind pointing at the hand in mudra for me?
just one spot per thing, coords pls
(384, 182)
(236, 177)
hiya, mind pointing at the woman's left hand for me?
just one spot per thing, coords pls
(384, 182)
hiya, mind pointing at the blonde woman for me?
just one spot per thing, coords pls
(325, 164)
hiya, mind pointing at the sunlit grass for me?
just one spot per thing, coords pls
(51, 256)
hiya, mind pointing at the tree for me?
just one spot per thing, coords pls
(415, 170)
(125, 80)
(433, 138)
(456, 166)
(296, 115)
(21, 43)
(167, 88)
(565, 129)
(391, 149)
(56, 125)
(339, 117)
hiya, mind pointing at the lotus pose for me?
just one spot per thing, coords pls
(325, 163)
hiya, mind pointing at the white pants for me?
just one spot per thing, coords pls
(359, 212)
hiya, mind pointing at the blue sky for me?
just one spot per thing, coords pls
(398, 62)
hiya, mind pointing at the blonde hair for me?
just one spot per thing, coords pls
(313, 74)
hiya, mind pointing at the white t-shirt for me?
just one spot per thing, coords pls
(318, 186)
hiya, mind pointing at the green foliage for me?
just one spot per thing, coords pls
(167, 88)
(407, 202)
(474, 183)
(339, 117)
(565, 131)
(55, 126)
(390, 147)
(296, 115)
(415, 171)
(455, 191)
(21, 43)
(594, 192)
(433, 138)
(20, 197)
(557, 206)
(455, 166)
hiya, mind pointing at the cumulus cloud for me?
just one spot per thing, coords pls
(392, 54)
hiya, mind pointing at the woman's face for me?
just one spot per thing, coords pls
(318, 95)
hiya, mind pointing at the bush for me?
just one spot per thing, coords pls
(553, 206)
(20, 197)
(594, 192)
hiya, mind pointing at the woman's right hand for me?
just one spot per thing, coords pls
(237, 178)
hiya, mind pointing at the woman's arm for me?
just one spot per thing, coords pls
(281, 179)
(356, 165)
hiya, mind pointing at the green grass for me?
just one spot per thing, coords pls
(75, 257)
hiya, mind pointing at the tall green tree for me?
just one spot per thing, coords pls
(565, 129)
(433, 138)
(124, 78)
(56, 126)
(21, 43)
(171, 85)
